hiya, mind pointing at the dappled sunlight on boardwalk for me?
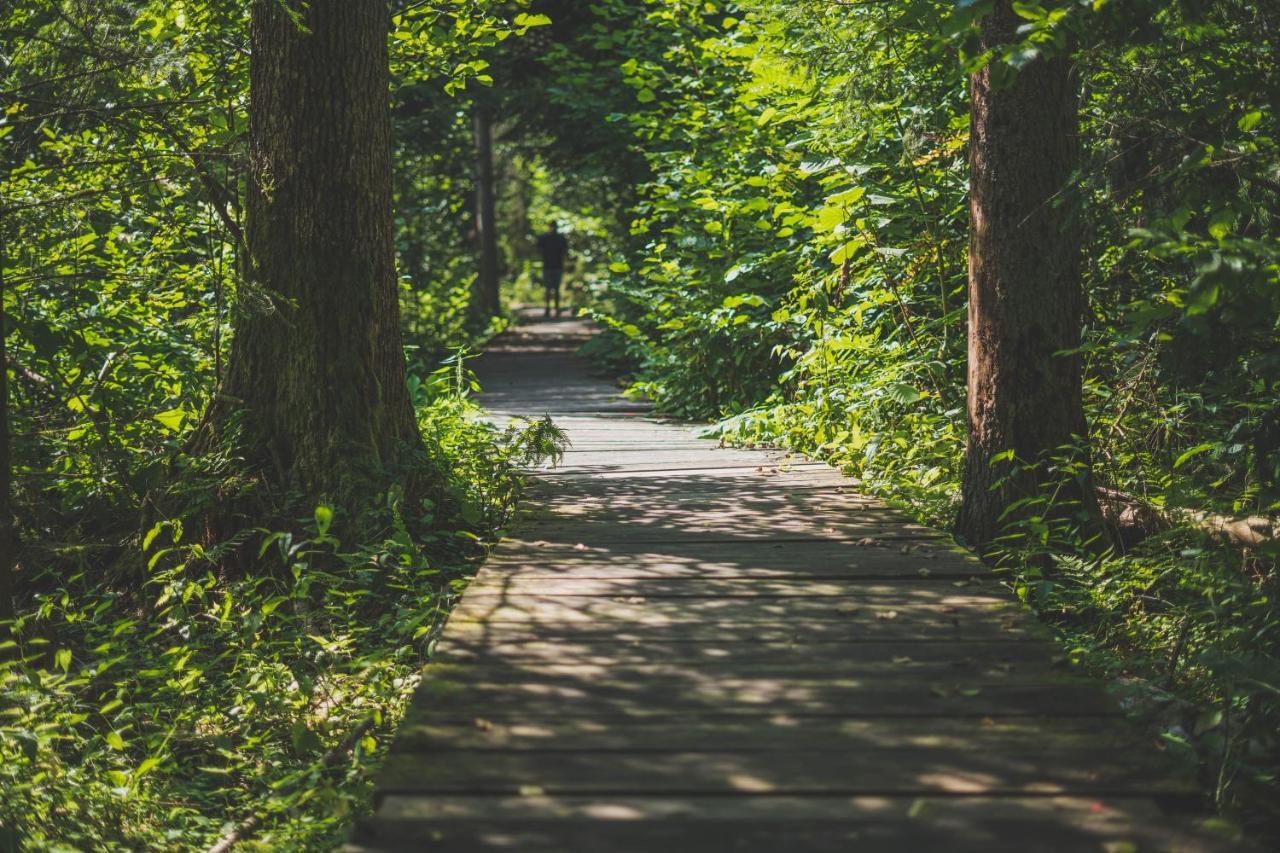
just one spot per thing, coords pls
(687, 647)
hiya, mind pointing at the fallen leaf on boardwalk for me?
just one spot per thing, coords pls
(918, 808)
(866, 540)
(482, 724)
(1120, 847)
(970, 691)
(905, 549)
(924, 573)
(887, 614)
(901, 659)
(531, 791)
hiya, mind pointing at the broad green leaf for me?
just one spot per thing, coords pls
(324, 518)
(1192, 453)
(171, 419)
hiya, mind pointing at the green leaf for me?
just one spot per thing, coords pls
(847, 197)
(902, 393)
(828, 218)
(152, 534)
(525, 20)
(847, 251)
(1193, 452)
(171, 419)
(1249, 120)
(324, 518)
(817, 167)
(1221, 223)
(147, 765)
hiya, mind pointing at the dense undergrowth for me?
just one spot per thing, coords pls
(160, 711)
(166, 679)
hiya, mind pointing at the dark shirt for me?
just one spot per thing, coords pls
(554, 247)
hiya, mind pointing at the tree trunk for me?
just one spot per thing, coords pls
(486, 302)
(1026, 304)
(8, 533)
(317, 361)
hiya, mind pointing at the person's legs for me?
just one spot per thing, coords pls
(546, 290)
(551, 284)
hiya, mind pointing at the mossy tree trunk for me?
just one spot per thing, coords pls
(486, 299)
(8, 532)
(317, 362)
(1026, 305)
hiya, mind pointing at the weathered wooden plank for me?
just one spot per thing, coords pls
(902, 771)
(842, 506)
(911, 588)
(952, 668)
(851, 698)
(426, 730)
(703, 456)
(889, 836)
(915, 626)
(623, 525)
(605, 650)
(817, 559)
(539, 823)
(811, 473)
(749, 486)
(1111, 813)
(925, 606)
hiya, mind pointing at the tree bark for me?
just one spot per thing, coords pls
(1026, 305)
(317, 362)
(8, 531)
(486, 302)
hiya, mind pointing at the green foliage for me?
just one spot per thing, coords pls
(794, 268)
(768, 205)
(161, 684)
(150, 718)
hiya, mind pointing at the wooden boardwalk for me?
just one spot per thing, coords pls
(688, 648)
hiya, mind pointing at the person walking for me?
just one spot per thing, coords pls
(555, 250)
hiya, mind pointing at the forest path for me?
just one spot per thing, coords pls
(688, 648)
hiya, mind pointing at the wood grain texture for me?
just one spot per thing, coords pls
(683, 647)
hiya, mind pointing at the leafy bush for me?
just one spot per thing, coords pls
(157, 716)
